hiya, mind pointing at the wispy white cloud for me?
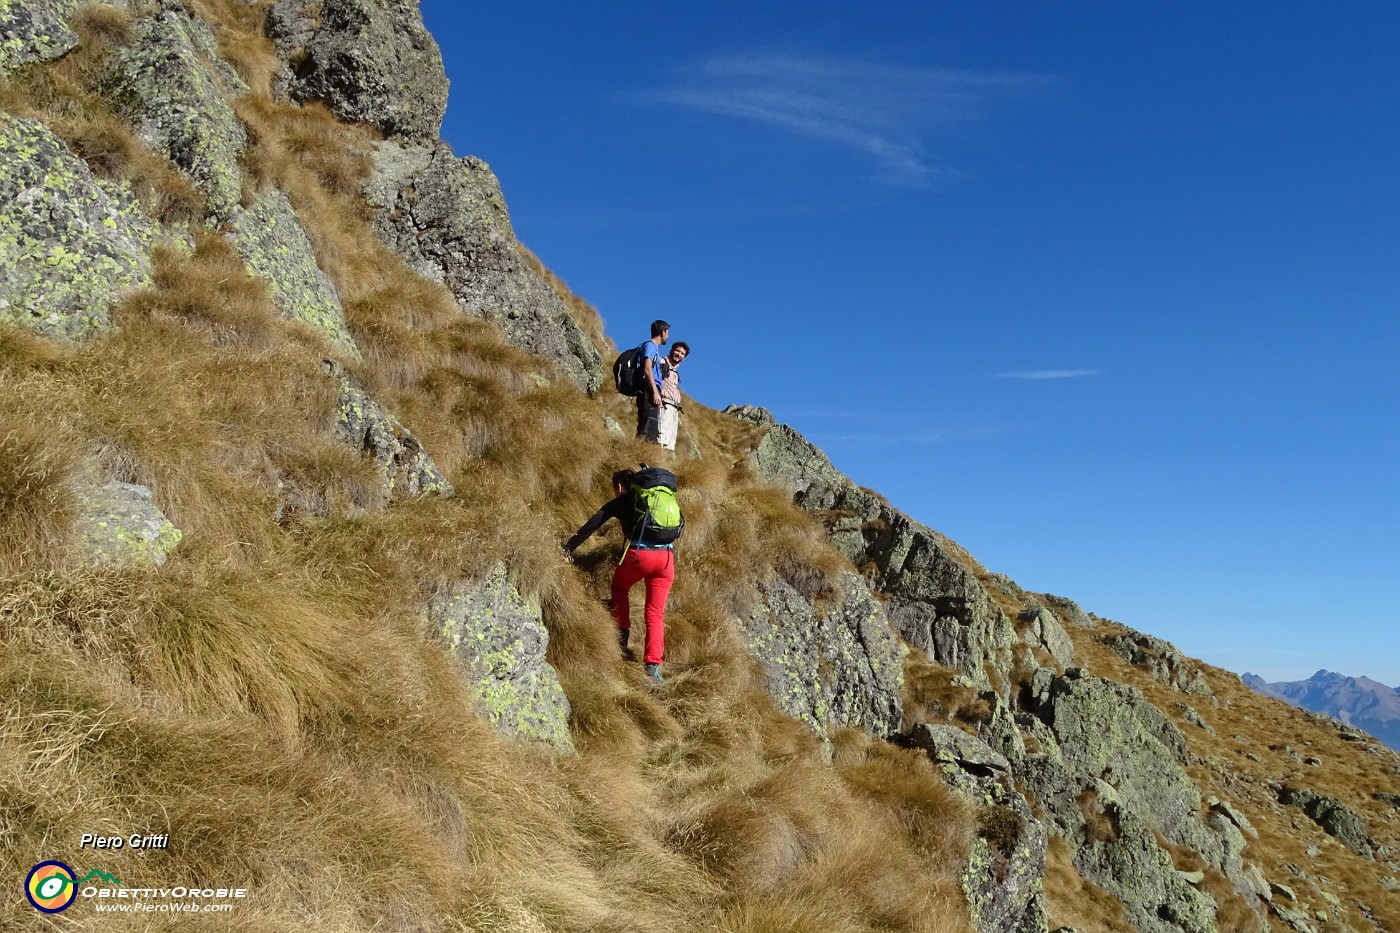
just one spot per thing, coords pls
(1043, 374)
(892, 114)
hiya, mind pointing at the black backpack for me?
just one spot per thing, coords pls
(628, 374)
(659, 519)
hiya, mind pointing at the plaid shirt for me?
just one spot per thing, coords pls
(671, 387)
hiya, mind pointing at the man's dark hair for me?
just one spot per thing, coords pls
(623, 478)
(681, 345)
(659, 327)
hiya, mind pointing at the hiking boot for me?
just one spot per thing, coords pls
(654, 672)
(622, 634)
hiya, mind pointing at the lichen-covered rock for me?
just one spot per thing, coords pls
(841, 665)
(370, 61)
(500, 638)
(119, 524)
(1107, 756)
(34, 32)
(446, 217)
(71, 245)
(934, 602)
(404, 466)
(1043, 630)
(276, 249)
(1131, 865)
(168, 82)
(1343, 824)
(1161, 659)
(1003, 878)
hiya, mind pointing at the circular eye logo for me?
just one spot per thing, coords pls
(50, 887)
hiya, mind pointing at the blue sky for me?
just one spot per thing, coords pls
(1106, 292)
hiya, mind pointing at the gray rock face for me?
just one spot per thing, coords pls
(1108, 758)
(71, 245)
(34, 32)
(935, 603)
(500, 638)
(840, 665)
(446, 217)
(168, 80)
(1043, 630)
(276, 249)
(1002, 879)
(370, 61)
(119, 524)
(1333, 816)
(1162, 661)
(404, 466)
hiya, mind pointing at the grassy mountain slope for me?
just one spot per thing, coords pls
(273, 699)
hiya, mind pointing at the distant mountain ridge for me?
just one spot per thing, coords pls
(1357, 701)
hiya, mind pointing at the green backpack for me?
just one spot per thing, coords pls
(659, 519)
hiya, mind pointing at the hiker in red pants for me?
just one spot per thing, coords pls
(644, 503)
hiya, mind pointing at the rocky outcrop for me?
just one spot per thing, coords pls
(500, 639)
(276, 249)
(1109, 772)
(118, 524)
(71, 245)
(370, 61)
(933, 601)
(171, 84)
(1002, 878)
(446, 217)
(1333, 816)
(839, 665)
(1161, 659)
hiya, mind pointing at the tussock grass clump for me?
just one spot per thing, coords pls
(37, 497)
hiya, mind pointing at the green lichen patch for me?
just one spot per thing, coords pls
(118, 524)
(166, 83)
(500, 638)
(34, 32)
(71, 245)
(276, 249)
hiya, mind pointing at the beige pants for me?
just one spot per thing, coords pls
(669, 422)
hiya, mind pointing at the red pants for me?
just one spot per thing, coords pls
(658, 568)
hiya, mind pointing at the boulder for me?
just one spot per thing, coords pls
(840, 665)
(369, 61)
(34, 32)
(118, 524)
(276, 249)
(500, 638)
(1043, 630)
(71, 245)
(1343, 824)
(1003, 877)
(171, 84)
(447, 219)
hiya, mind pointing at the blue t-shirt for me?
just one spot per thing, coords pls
(655, 356)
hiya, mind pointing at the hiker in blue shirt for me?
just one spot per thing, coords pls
(649, 401)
